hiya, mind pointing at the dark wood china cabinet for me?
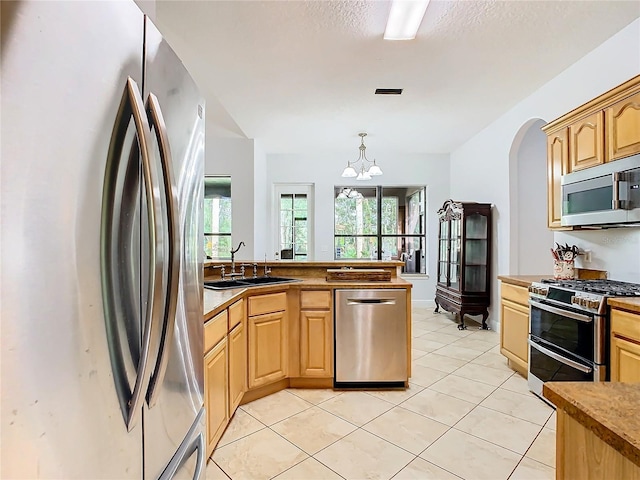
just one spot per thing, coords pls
(464, 259)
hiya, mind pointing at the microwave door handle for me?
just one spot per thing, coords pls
(615, 203)
(559, 311)
(560, 358)
(157, 123)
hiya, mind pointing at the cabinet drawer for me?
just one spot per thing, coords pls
(215, 330)
(625, 324)
(317, 299)
(273, 302)
(236, 313)
(514, 293)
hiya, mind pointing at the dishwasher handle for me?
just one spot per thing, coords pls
(369, 301)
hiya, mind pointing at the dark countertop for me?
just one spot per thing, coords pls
(611, 410)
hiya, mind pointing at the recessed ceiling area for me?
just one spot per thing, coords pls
(299, 76)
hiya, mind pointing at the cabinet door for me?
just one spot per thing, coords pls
(216, 384)
(514, 332)
(586, 142)
(267, 348)
(237, 366)
(316, 342)
(623, 128)
(625, 360)
(557, 165)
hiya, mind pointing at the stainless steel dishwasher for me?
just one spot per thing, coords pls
(371, 338)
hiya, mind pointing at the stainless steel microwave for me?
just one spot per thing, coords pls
(608, 194)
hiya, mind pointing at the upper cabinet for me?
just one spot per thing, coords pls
(623, 132)
(603, 130)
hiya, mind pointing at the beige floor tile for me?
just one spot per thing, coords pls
(420, 469)
(493, 360)
(314, 395)
(526, 407)
(491, 336)
(406, 429)
(491, 376)
(309, 469)
(496, 349)
(441, 337)
(438, 406)
(426, 345)
(214, 472)
(427, 325)
(425, 376)
(356, 407)
(451, 328)
(416, 331)
(543, 449)
(396, 396)
(551, 423)
(362, 455)
(440, 362)
(261, 455)
(460, 353)
(499, 428)
(470, 457)
(274, 408)
(529, 469)
(241, 425)
(313, 429)
(463, 388)
(472, 343)
(415, 353)
(516, 383)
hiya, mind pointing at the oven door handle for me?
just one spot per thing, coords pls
(559, 311)
(559, 358)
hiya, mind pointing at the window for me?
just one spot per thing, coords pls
(217, 217)
(383, 223)
(293, 209)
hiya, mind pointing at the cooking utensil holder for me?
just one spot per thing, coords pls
(564, 270)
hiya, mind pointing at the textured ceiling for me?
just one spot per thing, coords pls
(300, 75)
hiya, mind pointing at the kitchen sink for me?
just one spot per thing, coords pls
(248, 282)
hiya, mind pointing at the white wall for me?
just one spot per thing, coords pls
(399, 170)
(480, 167)
(148, 7)
(260, 203)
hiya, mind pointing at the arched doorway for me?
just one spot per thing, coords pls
(530, 239)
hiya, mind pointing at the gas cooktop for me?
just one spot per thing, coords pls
(610, 288)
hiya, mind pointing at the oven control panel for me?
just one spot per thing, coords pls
(586, 300)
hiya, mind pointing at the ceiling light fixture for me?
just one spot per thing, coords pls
(347, 192)
(405, 18)
(354, 170)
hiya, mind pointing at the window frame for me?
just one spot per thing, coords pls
(280, 189)
(218, 235)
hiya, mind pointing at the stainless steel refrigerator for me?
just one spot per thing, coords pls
(102, 158)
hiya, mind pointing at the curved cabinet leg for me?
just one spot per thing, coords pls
(462, 326)
(485, 315)
(437, 310)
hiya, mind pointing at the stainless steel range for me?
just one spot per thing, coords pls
(569, 329)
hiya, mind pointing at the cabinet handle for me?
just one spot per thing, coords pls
(366, 301)
(559, 358)
(156, 119)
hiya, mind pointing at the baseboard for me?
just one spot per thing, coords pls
(423, 304)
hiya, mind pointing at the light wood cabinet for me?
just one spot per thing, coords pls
(625, 346)
(237, 365)
(216, 400)
(267, 339)
(514, 326)
(623, 128)
(316, 334)
(586, 142)
(557, 165)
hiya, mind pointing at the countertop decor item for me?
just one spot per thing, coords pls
(362, 168)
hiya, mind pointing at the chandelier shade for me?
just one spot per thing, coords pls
(362, 168)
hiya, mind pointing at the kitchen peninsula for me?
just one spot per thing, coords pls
(262, 339)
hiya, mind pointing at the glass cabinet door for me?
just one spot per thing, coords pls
(443, 253)
(454, 254)
(475, 253)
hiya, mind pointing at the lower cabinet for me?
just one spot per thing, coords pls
(514, 326)
(316, 333)
(237, 365)
(267, 348)
(216, 400)
(625, 346)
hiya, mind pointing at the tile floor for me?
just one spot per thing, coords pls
(466, 415)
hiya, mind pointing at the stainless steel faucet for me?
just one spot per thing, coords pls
(233, 262)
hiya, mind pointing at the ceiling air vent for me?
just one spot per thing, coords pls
(388, 91)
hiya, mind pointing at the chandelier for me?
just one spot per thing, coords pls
(348, 192)
(362, 168)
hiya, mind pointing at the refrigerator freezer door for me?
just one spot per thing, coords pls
(64, 67)
(176, 397)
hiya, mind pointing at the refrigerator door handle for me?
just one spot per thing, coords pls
(131, 105)
(157, 123)
(192, 443)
